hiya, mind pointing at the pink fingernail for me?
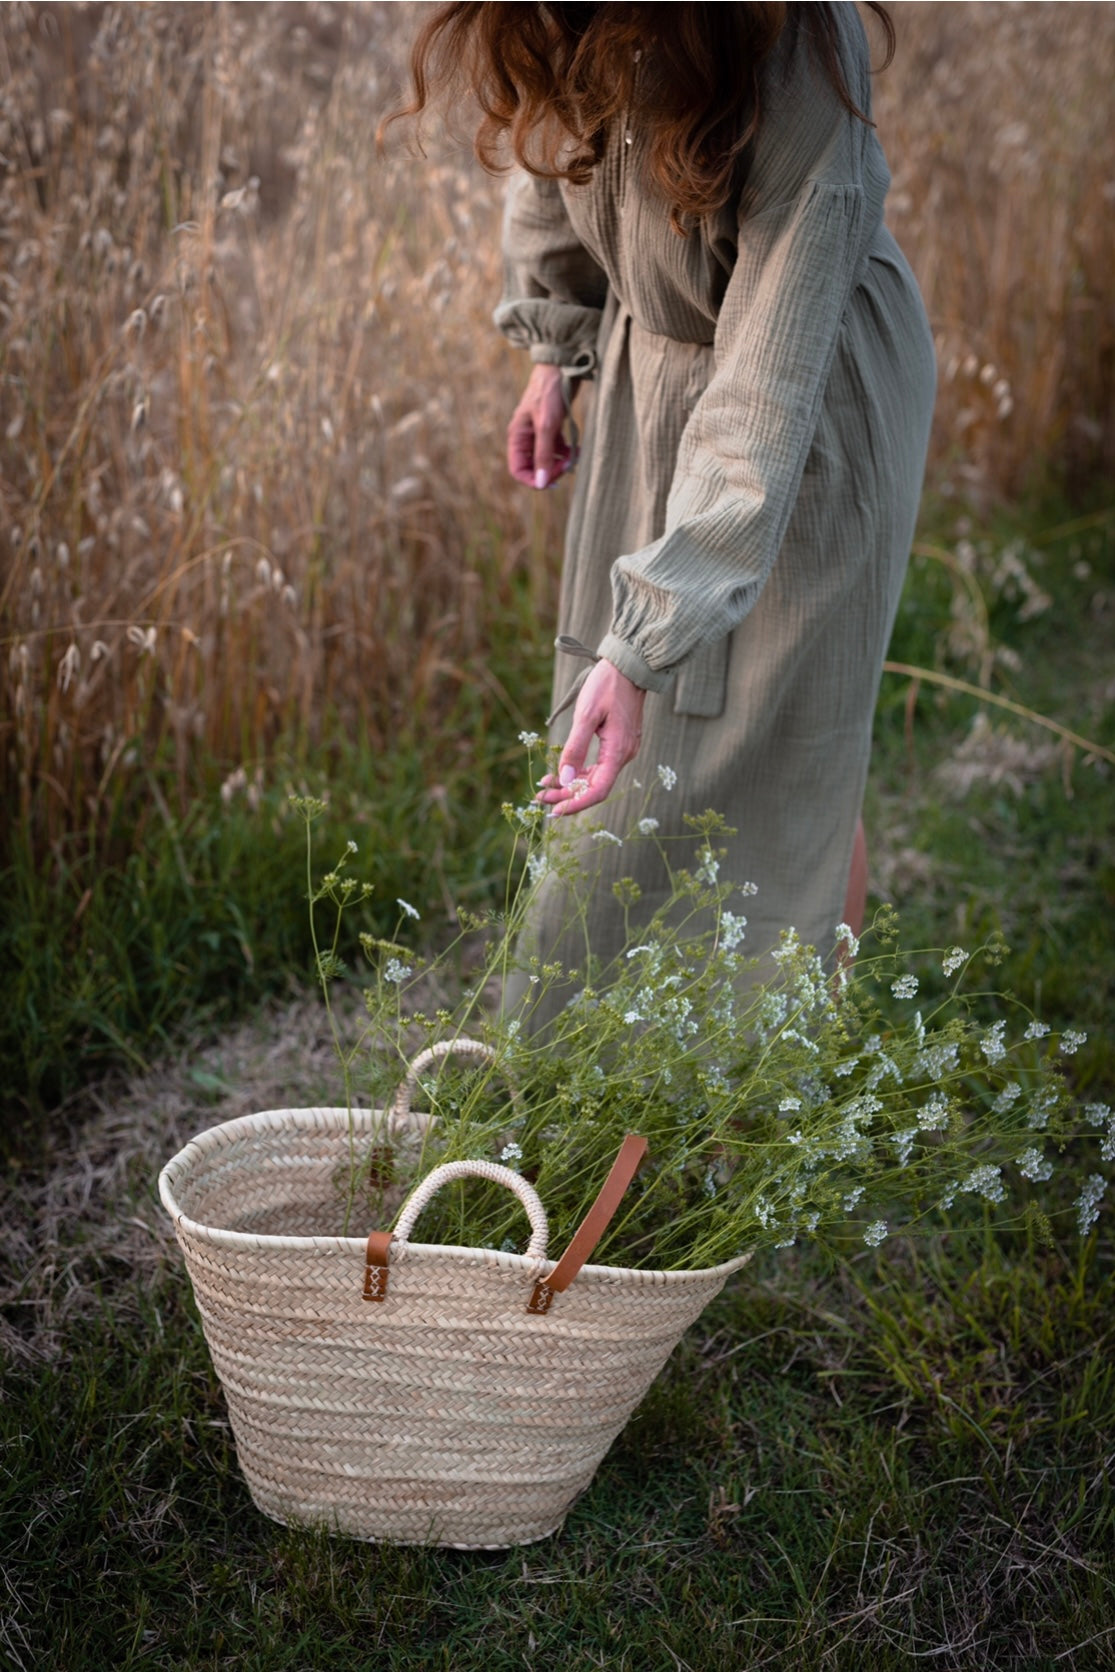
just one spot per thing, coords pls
(541, 477)
(566, 776)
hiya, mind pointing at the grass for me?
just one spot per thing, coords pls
(844, 1464)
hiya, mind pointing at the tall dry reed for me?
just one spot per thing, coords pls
(997, 123)
(251, 408)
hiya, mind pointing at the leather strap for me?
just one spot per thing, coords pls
(375, 1265)
(592, 1226)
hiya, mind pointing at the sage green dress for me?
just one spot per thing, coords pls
(747, 490)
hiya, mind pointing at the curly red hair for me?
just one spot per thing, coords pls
(552, 79)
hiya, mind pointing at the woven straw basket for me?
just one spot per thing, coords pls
(473, 1401)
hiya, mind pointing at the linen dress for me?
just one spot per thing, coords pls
(747, 490)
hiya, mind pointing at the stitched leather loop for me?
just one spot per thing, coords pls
(376, 1266)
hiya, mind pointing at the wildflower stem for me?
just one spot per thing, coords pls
(950, 683)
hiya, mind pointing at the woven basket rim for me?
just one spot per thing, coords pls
(309, 1118)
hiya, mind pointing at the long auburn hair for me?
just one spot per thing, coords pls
(551, 79)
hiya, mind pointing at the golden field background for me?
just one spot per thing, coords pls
(252, 409)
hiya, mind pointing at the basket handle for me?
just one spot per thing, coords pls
(585, 1238)
(592, 1226)
(462, 1047)
(376, 1253)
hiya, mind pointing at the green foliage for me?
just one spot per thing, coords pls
(105, 960)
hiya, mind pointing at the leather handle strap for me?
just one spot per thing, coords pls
(375, 1265)
(592, 1226)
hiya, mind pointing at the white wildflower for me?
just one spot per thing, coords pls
(937, 1060)
(846, 936)
(953, 959)
(934, 1114)
(1107, 1148)
(404, 905)
(1071, 1041)
(904, 986)
(793, 1137)
(1098, 1113)
(992, 1042)
(709, 868)
(772, 1010)
(731, 930)
(1033, 1165)
(511, 1152)
(852, 1198)
(396, 971)
(631, 1017)
(904, 1142)
(607, 836)
(884, 1066)
(876, 1233)
(529, 739)
(985, 1181)
(765, 1214)
(1036, 1030)
(788, 1105)
(843, 1069)
(667, 777)
(1042, 1105)
(789, 948)
(1007, 1098)
(538, 864)
(949, 1196)
(647, 827)
(1087, 1203)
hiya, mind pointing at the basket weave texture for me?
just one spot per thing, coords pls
(445, 1414)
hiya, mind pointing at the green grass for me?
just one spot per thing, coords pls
(845, 1465)
(855, 1460)
(179, 916)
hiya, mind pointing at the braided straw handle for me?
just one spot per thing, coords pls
(376, 1253)
(400, 1109)
(450, 1170)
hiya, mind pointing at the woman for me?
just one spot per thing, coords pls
(697, 228)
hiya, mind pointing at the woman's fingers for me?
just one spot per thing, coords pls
(537, 451)
(609, 708)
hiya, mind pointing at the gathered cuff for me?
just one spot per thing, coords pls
(627, 659)
(559, 334)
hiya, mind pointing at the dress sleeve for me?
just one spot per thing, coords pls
(802, 231)
(553, 289)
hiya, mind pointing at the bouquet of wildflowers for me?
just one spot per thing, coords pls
(823, 1097)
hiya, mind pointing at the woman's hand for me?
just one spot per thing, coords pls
(537, 451)
(610, 707)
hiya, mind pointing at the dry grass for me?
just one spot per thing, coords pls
(997, 124)
(250, 490)
(251, 411)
